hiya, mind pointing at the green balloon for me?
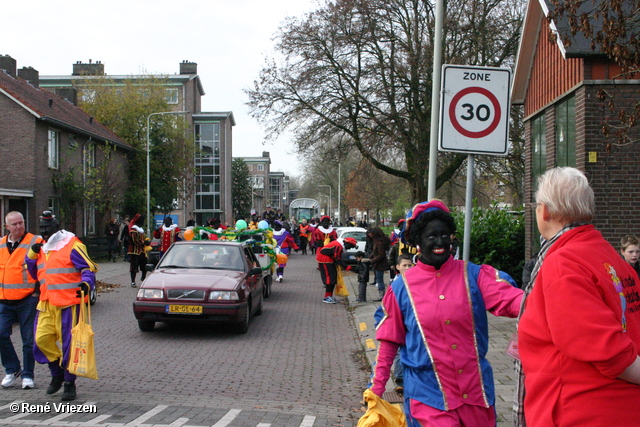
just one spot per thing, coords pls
(241, 224)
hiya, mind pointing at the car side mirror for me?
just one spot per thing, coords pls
(150, 267)
(256, 270)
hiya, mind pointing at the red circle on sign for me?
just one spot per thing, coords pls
(454, 120)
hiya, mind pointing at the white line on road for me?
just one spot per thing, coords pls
(308, 421)
(228, 417)
(144, 417)
(264, 425)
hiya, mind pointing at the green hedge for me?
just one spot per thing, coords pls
(497, 238)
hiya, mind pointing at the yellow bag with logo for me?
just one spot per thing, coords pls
(82, 360)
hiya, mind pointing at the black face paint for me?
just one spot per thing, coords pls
(435, 243)
(47, 229)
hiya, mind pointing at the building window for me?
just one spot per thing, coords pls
(207, 164)
(539, 144)
(250, 167)
(258, 181)
(566, 133)
(260, 168)
(171, 96)
(54, 149)
(91, 218)
(54, 206)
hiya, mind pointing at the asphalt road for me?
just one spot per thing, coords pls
(297, 366)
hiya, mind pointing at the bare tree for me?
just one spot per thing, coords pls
(359, 72)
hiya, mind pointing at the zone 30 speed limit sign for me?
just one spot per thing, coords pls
(474, 110)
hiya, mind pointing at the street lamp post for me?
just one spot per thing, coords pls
(149, 222)
(330, 213)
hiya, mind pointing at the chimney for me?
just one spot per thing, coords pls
(31, 75)
(187, 67)
(8, 64)
(89, 69)
(68, 93)
(265, 154)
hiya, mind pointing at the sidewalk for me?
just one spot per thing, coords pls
(500, 330)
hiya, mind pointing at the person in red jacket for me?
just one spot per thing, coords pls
(324, 233)
(579, 328)
(329, 259)
(65, 272)
(18, 299)
(168, 233)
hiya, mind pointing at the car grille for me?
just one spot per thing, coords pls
(186, 294)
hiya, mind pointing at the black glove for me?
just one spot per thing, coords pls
(84, 287)
(36, 247)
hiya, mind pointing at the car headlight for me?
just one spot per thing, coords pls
(150, 293)
(223, 295)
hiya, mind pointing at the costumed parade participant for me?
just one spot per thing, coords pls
(168, 233)
(330, 262)
(285, 243)
(324, 233)
(64, 270)
(436, 314)
(137, 251)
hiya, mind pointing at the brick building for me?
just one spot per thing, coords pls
(44, 138)
(211, 196)
(558, 87)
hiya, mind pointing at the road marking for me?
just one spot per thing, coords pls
(363, 326)
(179, 422)
(264, 425)
(229, 416)
(371, 344)
(144, 417)
(308, 421)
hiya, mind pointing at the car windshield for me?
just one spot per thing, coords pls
(210, 256)
(360, 236)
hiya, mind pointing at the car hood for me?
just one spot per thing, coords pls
(187, 278)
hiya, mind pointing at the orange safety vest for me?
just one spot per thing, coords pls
(15, 281)
(59, 278)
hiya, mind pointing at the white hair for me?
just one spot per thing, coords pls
(567, 195)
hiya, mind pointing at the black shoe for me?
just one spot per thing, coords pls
(69, 392)
(56, 383)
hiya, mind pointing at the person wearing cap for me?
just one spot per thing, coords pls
(18, 299)
(324, 233)
(269, 215)
(137, 251)
(66, 274)
(168, 233)
(329, 259)
(284, 245)
(435, 313)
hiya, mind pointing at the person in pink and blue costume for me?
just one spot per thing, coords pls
(436, 313)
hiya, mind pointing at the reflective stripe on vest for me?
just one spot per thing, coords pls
(15, 281)
(59, 279)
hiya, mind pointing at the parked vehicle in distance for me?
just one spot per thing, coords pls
(202, 281)
(358, 233)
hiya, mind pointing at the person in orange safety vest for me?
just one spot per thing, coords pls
(18, 299)
(64, 270)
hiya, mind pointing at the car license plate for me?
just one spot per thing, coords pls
(184, 309)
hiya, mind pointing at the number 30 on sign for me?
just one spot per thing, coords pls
(474, 110)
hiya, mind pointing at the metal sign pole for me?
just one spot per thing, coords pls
(466, 240)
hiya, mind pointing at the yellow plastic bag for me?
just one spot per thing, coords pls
(381, 413)
(341, 289)
(82, 360)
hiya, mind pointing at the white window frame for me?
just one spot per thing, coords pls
(260, 168)
(53, 147)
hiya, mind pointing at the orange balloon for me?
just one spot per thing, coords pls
(188, 234)
(281, 259)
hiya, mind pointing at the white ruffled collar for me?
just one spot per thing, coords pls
(57, 241)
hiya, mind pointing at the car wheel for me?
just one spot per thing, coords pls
(146, 325)
(93, 296)
(267, 286)
(243, 326)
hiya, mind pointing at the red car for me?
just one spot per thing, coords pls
(202, 281)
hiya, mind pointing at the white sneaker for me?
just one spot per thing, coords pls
(28, 383)
(10, 379)
(279, 279)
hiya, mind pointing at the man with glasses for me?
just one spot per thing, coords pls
(18, 300)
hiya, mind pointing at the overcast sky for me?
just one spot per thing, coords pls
(228, 39)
